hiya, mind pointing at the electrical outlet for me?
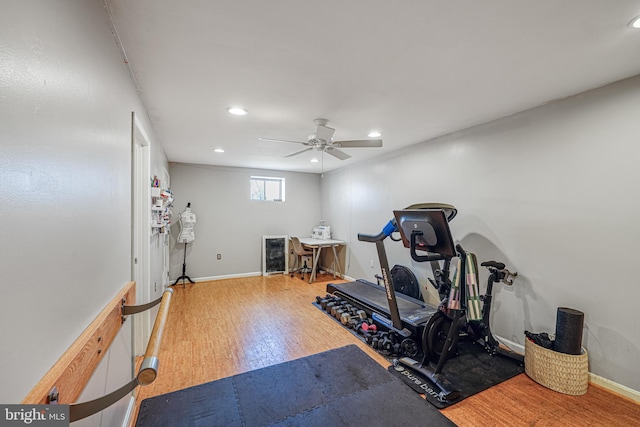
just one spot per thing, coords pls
(371, 264)
(155, 286)
(219, 256)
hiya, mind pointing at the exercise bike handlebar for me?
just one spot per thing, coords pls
(388, 229)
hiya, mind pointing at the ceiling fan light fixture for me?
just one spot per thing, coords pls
(374, 134)
(237, 111)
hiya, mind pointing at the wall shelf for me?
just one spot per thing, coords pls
(161, 202)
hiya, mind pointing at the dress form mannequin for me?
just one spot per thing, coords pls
(187, 223)
(187, 235)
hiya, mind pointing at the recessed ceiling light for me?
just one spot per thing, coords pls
(237, 111)
(374, 134)
(218, 150)
(635, 22)
(314, 160)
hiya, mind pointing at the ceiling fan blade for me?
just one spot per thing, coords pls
(299, 152)
(336, 153)
(280, 140)
(359, 143)
(324, 133)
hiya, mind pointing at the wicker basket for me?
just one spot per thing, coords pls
(564, 373)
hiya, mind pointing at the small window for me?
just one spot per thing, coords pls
(267, 188)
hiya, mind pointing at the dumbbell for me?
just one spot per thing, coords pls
(385, 344)
(368, 327)
(368, 337)
(323, 301)
(333, 305)
(353, 324)
(335, 308)
(396, 348)
(345, 318)
(374, 342)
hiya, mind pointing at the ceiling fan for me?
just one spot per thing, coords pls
(322, 140)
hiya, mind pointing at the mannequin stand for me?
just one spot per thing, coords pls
(184, 270)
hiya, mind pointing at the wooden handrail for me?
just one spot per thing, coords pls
(147, 374)
(74, 368)
(149, 368)
(70, 374)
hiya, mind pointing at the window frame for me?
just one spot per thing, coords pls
(265, 180)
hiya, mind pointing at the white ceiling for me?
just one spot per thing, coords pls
(413, 69)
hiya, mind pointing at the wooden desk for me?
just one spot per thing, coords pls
(316, 245)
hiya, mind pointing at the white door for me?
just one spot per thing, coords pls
(141, 232)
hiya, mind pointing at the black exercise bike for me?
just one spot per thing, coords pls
(425, 232)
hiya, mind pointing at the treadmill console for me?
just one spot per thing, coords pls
(430, 229)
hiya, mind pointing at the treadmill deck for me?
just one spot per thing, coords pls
(412, 311)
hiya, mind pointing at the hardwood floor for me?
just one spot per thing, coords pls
(222, 328)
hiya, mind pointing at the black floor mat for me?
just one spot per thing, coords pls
(342, 387)
(472, 371)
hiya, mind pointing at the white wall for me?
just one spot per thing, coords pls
(65, 161)
(230, 224)
(552, 192)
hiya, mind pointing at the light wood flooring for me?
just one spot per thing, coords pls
(222, 328)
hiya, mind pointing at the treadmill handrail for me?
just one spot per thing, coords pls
(378, 239)
(388, 229)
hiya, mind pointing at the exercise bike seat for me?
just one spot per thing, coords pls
(494, 264)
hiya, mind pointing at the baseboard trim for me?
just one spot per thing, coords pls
(339, 276)
(330, 271)
(518, 348)
(615, 387)
(226, 276)
(611, 386)
(250, 274)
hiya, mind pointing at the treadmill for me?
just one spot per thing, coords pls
(423, 227)
(372, 298)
